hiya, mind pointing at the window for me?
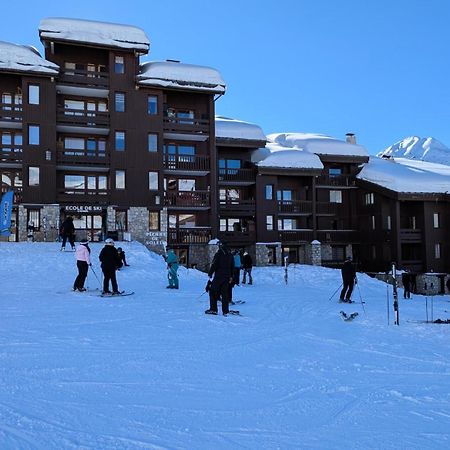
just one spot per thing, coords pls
(33, 94)
(119, 64)
(229, 166)
(372, 222)
(152, 105)
(33, 134)
(152, 142)
(369, 198)
(269, 191)
(120, 102)
(334, 171)
(229, 196)
(121, 220)
(153, 221)
(34, 219)
(269, 222)
(120, 179)
(436, 220)
(120, 141)
(230, 224)
(287, 224)
(74, 182)
(412, 222)
(284, 195)
(437, 251)
(388, 223)
(153, 181)
(33, 176)
(335, 196)
(182, 220)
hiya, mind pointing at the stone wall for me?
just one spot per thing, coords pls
(199, 257)
(316, 253)
(263, 252)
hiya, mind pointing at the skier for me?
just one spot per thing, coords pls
(406, 280)
(172, 269)
(67, 231)
(237, 267)
(247, 264)
(348, 279)
(222, 268)
(123, 261)
(82, 255)
(110, 261)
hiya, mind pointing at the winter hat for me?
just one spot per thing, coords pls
(109, 241)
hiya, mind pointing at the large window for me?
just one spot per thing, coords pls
(33, 176)
(119, 101)
(229, 196)
(119, 64)
(231, 224)
(153, 181)
(120, 179)
(153, 221)
(152, 105)
(33, 134)
(269, 222)
(152, 142)
(80, 146)
(269, 191)
(334, 171)
(436, 220)
(34, 219)
(119, 137)
(77, 184)
(229, 166)
(182, 220)
(335, 196)
(287, 224)
(284, 195)
(33, 94)
(369, 198)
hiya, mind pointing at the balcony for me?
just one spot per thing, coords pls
(83, 118)
(237, 176)
(293, 207)
(85, 78)
(186, 164)
(410, 235)
(194, 235)
(327, 208)
(338, 236)
(10, 113)
(238, 206)
(11, 154)
(187, 200)
(82, 157)
(339, 180)
(91, 196)
(295, 236)
(185, 125)
(237, 237)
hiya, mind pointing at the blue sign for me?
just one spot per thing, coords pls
(5, 213)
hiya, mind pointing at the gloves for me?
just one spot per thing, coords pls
(90, 264)
(208, 286)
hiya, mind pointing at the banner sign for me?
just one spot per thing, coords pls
(83, 208)
(5, 213)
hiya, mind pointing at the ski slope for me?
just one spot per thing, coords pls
(152, 371)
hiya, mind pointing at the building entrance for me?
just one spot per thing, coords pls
(88, 225)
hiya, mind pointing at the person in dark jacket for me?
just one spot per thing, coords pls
(247, 265)
(110, 261)
(222, 269)
(406, 280)
(348, 280)
(122, 259)
(67, 232)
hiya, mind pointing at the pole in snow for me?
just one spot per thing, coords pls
(395, 295)
(286, 269)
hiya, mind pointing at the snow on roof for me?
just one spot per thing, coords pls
(406, 175)
(93, 32)
(278, 156)
(237, 129)
(21, 58)
(318, 144)
(181, 76)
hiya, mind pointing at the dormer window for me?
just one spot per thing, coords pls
(119, 64)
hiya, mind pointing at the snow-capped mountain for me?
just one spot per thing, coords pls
(414, 147)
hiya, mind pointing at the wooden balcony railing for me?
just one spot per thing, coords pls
(194, 235)
(185, 125)
(237, 237)
(328, 208)
(10, 112)
(339, 180)
(187, 199)
(83, 117)
(82, 157)
(85, 78)
(410, 235)
(100, 196)
(11, 153)
(341, 236)
(294, 207)
(186, 162)
(237, 175)
(238, 205)
(296, 235)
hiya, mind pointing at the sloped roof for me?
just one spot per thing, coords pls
(228, 128)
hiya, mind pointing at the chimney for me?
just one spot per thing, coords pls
(350, 138)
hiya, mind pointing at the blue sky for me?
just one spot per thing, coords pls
(378, 68)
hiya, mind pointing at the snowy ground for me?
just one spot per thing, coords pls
(153, 371)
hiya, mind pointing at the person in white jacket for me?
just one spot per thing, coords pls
(83, 257)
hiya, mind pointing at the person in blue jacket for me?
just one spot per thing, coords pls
(172, 269)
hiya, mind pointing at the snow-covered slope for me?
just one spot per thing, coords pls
(414, 147)
(152, 371)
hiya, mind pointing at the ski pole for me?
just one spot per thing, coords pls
(387, 301)
(93, 271)
(360, 299)
(334, 293)
(201, 295)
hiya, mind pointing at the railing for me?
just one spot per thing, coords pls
(237, 175)
(11, 153)
(186, 162)
(83, 117)
(341, 236)
(10, 112)
(187, 199)
(84, 78)
(82, 157)
(185, 124)
(237, 237)
(296, 235)
(238, 205)
(338, 180)
(294, 207)
(84, 195)
(410, 235)
(328, 208)
(197, 235)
